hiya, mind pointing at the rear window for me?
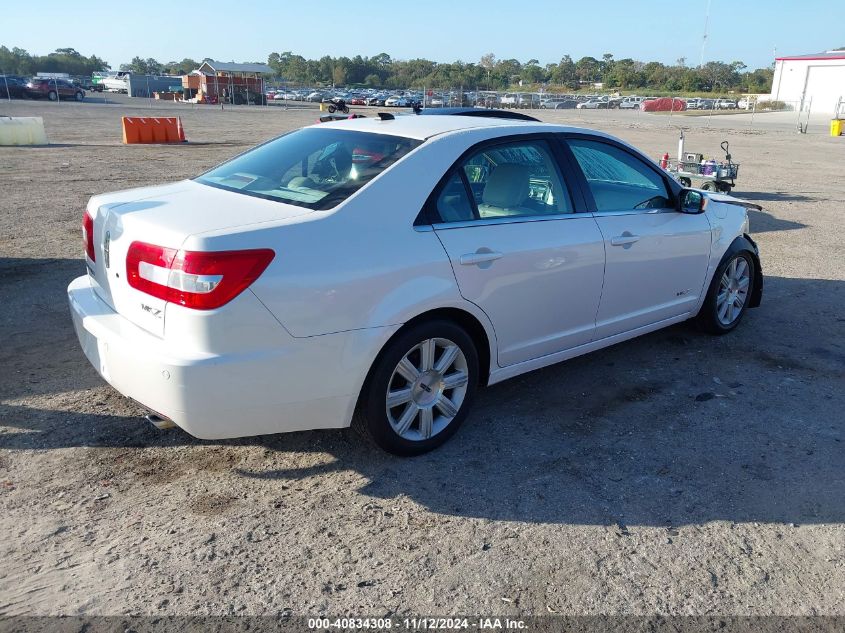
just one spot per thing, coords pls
(316, 168)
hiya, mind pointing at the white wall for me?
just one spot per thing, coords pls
(823, 80)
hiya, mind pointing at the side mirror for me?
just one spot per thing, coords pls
(691, 201)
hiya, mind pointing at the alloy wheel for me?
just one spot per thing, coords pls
(427, 389)
(733, 291)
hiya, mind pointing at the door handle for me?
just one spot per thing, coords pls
(481, 257)
(624, 240)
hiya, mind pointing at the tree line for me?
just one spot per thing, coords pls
(382, 71)
(17, 61)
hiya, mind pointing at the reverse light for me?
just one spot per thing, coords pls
(195, 279)
(88, 236)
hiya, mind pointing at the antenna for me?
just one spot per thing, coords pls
(704, 39)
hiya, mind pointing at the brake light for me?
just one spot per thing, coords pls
(194, 279)
(88, 236)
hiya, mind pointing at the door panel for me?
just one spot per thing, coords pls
(656, 257)
(656, 265)
(539, 281)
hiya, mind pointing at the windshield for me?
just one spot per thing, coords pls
(316, 168)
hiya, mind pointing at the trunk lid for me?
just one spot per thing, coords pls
(164, 215)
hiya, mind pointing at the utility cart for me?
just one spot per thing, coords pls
(711, 174)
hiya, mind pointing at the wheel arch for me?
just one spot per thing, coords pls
(739, 244)
(484, 341)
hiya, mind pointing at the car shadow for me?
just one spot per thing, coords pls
(779, 196)
(762, 222)
(671, 428)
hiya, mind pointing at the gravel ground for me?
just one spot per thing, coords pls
(674, 474)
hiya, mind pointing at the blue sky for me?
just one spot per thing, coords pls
(442, 30)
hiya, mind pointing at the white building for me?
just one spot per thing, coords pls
(819, 77)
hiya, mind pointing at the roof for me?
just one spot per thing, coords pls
(814, 56)
(237, 68)
(424, 127)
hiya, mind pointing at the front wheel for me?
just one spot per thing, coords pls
(729, 294)
(52, 95)
(332, 109)
(420, 388)
(80, 96)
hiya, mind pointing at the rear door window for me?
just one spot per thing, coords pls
(518, 179)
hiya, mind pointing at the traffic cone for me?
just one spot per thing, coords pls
(180, 130)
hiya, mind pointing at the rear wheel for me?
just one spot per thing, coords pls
(420, 389)
(708, 186)
(686, 182)
(729, 293)
(52, 95)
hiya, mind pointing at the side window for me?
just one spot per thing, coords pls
(618, 180)
(515, 179)
(453, 204)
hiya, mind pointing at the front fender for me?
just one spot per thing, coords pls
(740, 243)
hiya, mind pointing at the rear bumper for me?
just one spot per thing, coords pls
(308, 383)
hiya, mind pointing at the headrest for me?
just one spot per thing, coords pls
(507, 186)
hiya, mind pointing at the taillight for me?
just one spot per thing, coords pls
(194, 279)
(88, 236)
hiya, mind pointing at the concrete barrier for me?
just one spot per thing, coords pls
(152, 130)
(22, 130)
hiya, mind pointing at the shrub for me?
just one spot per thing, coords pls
(773, 105)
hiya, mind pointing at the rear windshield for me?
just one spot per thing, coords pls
(316, 168)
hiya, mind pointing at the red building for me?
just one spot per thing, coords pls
(227, 82)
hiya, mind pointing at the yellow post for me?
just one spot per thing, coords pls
(322, 107)
(836, 127)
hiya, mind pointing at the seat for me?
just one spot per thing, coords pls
(506, 192)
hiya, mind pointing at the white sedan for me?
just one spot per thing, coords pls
(376, 272)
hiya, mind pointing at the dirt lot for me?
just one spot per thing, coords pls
(674, 474)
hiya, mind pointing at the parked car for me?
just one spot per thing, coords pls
(592, 104)
(12, 86)
(631, 103)
(236, 324)
(396, 101)
(725, 104)
(53, 89)
(357, 101)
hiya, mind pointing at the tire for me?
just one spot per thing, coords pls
(52, 95)
(345, 110)
(79, 96)
(421, 419)
(708, 186)
(686, 182)
(713, 317)
(332, 109)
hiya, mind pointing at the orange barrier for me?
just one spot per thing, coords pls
(153, 130)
